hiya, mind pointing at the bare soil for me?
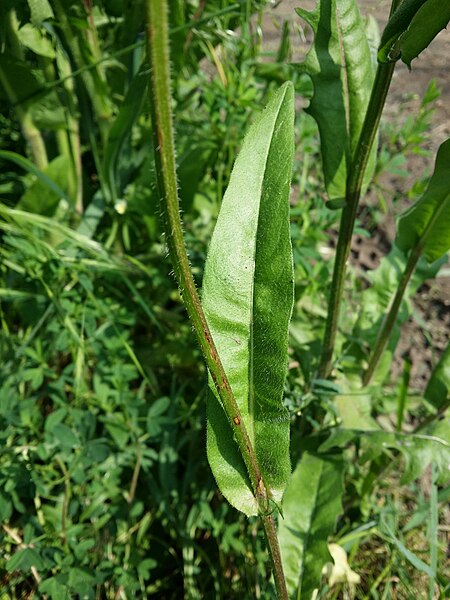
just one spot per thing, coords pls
(426, 334)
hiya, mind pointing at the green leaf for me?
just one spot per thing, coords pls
(411, 28)
(54, 588)
(24, 559)
(247, 299)
(426, 223)
(120, 131)
(27, 165)
(39, 198)
(416, 562)
(437, 391)
(35, 40)
(18, 83)
(375, 301)
(311, 506)
(65, 436)
(40, 11)
(418, 450)
(340, 66)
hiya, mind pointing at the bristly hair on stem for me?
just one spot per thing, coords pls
(163, 141)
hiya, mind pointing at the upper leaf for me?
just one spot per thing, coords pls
(340, 66)
(426, 223)
(247, 299)
(411, 28)
(311, 506)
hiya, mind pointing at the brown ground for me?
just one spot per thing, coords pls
(432, 304)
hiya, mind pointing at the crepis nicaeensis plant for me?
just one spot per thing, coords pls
(247, 297)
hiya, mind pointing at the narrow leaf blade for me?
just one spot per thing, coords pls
(426, 222)
(121, 129)
(311, 505)
(247, 298)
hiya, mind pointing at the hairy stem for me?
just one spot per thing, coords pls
(355, 180)
(160, 97)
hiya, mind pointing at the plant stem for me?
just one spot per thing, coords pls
(390, 318)
(160, 97)
(404, 385)
(30, 132)
(275, 555)
(354, 185)
(95, 85)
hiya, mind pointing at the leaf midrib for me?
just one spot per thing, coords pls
(251, 387)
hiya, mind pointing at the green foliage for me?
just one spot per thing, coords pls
(340, 66)
(438, 389)
(419, 451)
(411, 29)
(429, 20)
(311, 506)
(247, 297)
(425, 224)
(104, 487)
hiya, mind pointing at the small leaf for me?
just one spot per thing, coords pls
(54, 588)
(311, 506)
(340, 66)
(65, 436)
(247, 299)
(35, 40)
(24, 559)
(38, 198)
(145, 567)
(426, 222)
(49, 185)
(159, 407)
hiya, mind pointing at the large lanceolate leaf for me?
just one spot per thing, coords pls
(311, 506)
(247, 298)
(340, 66)
(426, 223)
(412, 28)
